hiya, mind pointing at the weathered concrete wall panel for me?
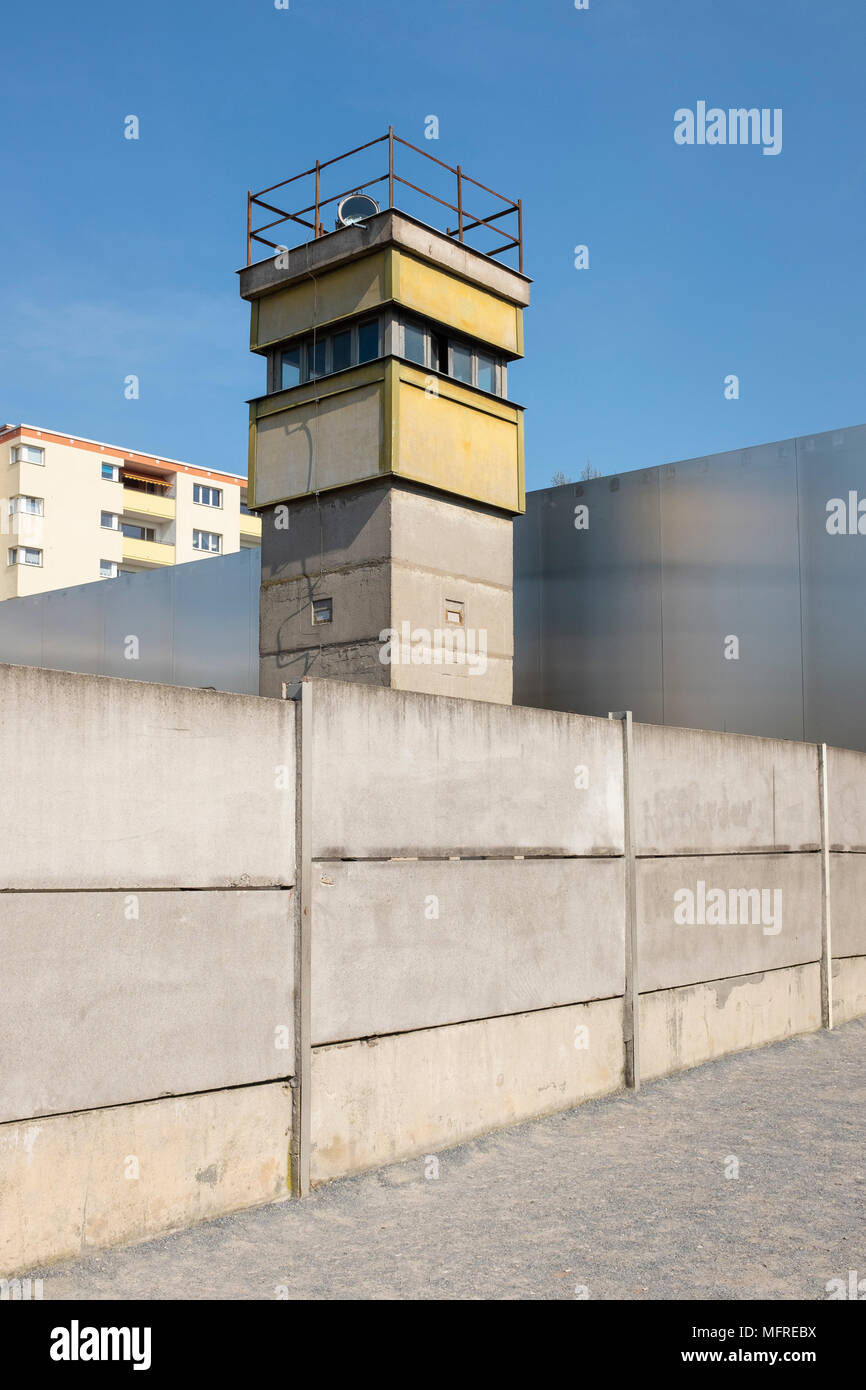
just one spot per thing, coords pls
(849, 988)
(358, 659)
(406, 774)
(697, 792)
(848, 904)
(846, 785)
(72, 1183)
(100, 1007)
(736, 932)
(450, 536)
(361, 606)
(400, 946)
(493, 683)
(682, 1027)
(410, 1094)
(127, 784)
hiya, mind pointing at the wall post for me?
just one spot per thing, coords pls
(631, 998)
(826, 935)
(302, 694)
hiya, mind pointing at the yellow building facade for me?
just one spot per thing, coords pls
(74, 511)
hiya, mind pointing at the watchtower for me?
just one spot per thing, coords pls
(386, 459)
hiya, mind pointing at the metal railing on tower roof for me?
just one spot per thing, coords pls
(468, 221)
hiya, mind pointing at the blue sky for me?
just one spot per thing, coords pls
(119, 256)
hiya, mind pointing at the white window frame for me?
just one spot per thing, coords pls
(207, 549)
(114, 523)
(17, 551)
(26, 511)
(112, 566)
(207, 487)
(115, 471)
(17, 450)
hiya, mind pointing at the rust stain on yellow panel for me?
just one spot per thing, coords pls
(476, 312)
(347, 289)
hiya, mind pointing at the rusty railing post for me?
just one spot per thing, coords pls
(316, 213)
(249, 226)
(519, 234)
(390, 166)
(460, 202)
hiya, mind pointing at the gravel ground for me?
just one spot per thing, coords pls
(625, 1197)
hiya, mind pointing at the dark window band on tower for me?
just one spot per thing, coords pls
(467, 362)
(326, 353)
(416, 341)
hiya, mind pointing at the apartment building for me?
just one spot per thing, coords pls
(73, 510)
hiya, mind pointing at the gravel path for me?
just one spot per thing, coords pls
(625, 1197)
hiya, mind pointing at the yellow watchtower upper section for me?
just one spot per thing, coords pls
(388, 347)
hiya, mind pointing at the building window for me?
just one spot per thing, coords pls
(317, 358)
(24, 555)
(34, 506)
(207, 496)
(109, 521)
(206, 540)
(461, 363)
(485, 367)
(439, 353)
(454, 611)
(111, 472)
(323, 610)
(244, 504)
(108, 569)
(368, 340)
(291, 368)
(415, 343)
(327, 353)
(138, 533)
(27, 453)
(432, 349)
(341, 350)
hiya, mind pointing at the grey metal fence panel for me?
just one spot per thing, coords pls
(193, 624)
(633, 612)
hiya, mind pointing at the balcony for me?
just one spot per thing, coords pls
(251, 526)
(148, 504)
(147, 552)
